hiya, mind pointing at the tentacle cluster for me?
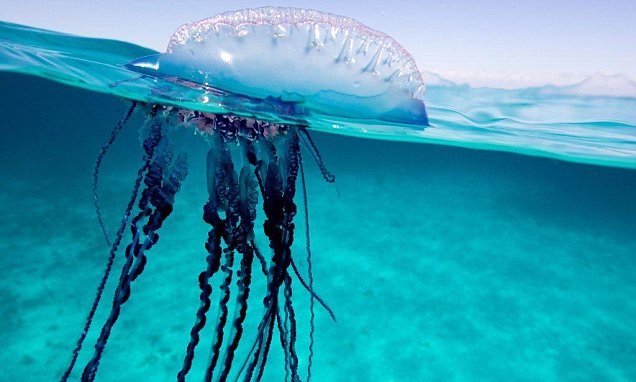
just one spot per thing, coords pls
(270, 155)
(247, 158)
(161, 176)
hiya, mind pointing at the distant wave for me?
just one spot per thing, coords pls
(597, 85)
(601, 85)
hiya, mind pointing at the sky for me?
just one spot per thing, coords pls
(484, 43)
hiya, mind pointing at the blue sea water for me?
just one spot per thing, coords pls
(442, 263)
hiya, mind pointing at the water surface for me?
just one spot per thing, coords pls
(569, 122)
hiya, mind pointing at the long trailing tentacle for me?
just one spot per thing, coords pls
(313, 293)
(226, 267)
(215, 177)
(274, 229)
(229, 190)
(150, 144)
(310, 273)
(291, 316)
(282, 330)
(248, 200)
(249, 360)
(279, 210)
(271, 186)
(98, 164)
(213, 246)
(155, 204)
(266, 343)
(118, 236)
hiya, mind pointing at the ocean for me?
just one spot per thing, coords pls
(496, 245)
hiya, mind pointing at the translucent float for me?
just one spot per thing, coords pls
(325, 63)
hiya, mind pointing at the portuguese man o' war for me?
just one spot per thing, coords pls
(303, 62)
(328, 63)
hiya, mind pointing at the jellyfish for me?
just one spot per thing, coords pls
(288, 65)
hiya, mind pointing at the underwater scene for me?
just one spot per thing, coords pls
(182, 215)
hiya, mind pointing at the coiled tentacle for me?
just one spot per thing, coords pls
(315, 153)
(248, 201)
(215, 175)
(118, 236)
(228, 190)
(155, 206)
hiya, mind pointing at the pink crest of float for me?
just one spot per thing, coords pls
(279, 17)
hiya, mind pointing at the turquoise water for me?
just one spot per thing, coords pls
(441, 262)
